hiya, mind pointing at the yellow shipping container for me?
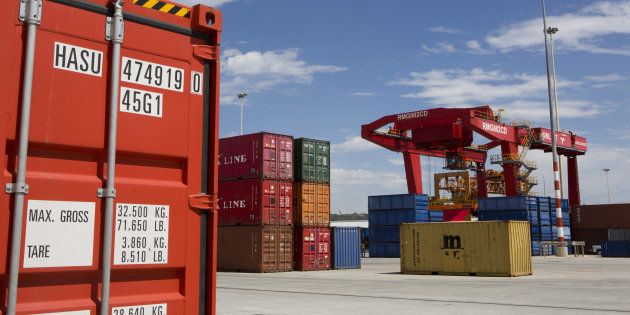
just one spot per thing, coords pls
(489, 248)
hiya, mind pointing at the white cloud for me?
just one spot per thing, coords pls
(605, 78)
(361, 177)
(211, 3)
(524, 94)
(353, 186)
(353, 144)
(439, 48)
(396, 161)
(442, 29)
(590, 167)
(621, 134)
(362, 94)
(476, 48)
(256, 71)
(584, 30)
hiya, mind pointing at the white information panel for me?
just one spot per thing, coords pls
(153, 309)
(59, 234)
(141, 234)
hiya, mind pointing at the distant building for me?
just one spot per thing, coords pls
(359, 223)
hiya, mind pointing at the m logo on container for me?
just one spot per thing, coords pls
(452, 242)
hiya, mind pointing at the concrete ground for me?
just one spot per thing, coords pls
(583, 285)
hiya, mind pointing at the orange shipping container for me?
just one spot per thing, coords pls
(311, 204)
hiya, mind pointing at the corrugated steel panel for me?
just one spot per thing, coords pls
(613, 216)
(619, 234)
(346, 249)
(311, 204)
(311, 160)
(256, 202)
(258, 155)
(384, 249)
(399, 201)
(616, 249)
(255, 248)
(499, 248)
(507, 203)
(389, 234)
(165, 151)
(312, 248)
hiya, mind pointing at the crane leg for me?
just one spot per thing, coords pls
(413, 172)
(574, 181)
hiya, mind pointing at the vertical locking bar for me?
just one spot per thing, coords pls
(115, 35)
(30, 14)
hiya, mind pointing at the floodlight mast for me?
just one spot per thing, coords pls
(241, 96)
(562, 250)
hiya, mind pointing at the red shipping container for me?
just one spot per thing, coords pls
(258, 155)
(256, 202)
(166, 102)
(312, 248)
(452, 215)
(604, 216)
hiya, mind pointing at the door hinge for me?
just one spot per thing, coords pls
(31, 10)
(206, 52)
(16, 189)
(115, 25)
(201, 201)
(106, 193)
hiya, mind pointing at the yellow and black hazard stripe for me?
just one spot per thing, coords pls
(164, 7)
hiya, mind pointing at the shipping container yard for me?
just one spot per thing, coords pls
(303, 157)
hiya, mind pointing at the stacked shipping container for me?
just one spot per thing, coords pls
(311, 203)
(387, 212)
(255, 203)
(537, 210)
(592, 223)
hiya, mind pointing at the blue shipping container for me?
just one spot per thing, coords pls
(384, 233)
(400, 201)
(616, 249)
(346, 248)
(384, 249)
(396, 217)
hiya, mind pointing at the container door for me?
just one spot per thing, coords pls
(156, 233)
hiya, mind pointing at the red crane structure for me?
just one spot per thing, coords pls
(448, 133)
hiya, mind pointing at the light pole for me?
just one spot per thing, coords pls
(561, 251)
(551, 31)
(606, 170)
(241, 96)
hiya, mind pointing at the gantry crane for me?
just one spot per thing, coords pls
(448, 133)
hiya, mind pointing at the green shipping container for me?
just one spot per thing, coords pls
(311, 160)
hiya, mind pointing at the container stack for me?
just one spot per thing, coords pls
(387, 212)
(593, 223)
(255, 203)
(311, 203)
(539, 211)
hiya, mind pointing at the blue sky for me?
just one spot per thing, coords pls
(321, 69)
